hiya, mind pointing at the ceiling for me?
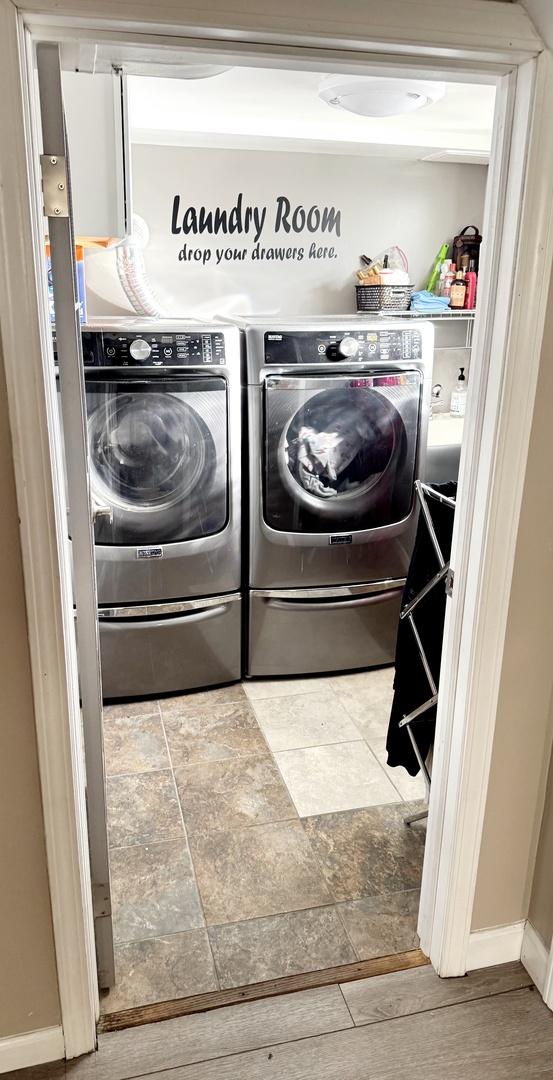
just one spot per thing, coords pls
(266, 107)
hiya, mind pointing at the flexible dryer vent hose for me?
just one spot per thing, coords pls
(132, 271)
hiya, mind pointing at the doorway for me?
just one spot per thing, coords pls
(227, 808)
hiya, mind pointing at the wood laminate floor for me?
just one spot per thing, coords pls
(490, 1025)
(256, 833)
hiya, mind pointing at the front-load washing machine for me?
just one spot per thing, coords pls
(337, 414)
(164, 436)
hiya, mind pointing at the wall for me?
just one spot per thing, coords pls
(28, 982)
(541, 900)
(524, 726)
(381, 201)
(541, 14)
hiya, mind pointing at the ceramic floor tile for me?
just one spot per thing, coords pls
(368, 852)
(409, 787)
(325, 779)
(213, 732)
(134, 744)
(304, 720)
(262, 949)
(257, 871)
(367, 698)
(153, 891)
(230, 794)
(161, 969)
(124, 709)
(258, 689)
(142, 809)
(189, 703)
(382, 925)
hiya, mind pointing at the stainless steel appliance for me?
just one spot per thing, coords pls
(164, 431)
(337, 414)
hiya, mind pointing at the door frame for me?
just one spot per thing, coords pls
(421, 38)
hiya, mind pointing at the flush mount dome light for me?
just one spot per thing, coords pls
(379, 97)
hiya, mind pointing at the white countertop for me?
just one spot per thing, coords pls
(445, 430)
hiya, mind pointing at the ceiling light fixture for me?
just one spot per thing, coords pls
(367, 96)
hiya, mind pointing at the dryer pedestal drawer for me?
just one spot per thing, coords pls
(297, 631)
(146, 652)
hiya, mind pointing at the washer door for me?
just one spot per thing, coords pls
(158, 456)
(340, 452)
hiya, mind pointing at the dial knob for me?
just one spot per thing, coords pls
(348, 347)
(139, 349)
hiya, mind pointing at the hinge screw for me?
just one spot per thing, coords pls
(53, 161)
(57, 210)
(61, 187)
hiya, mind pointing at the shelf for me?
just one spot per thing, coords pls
(443, 318)
(429, 316)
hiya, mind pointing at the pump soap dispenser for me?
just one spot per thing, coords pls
(459, 395)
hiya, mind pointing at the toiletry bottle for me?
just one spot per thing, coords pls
(459, 395)
(458, 291)
(444, 268)
(472, 281)
(449, 278)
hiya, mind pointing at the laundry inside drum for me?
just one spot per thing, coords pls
(341, 442)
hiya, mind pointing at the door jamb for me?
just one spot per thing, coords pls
(47, 573)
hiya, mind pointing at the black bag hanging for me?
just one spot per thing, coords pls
(467, 243)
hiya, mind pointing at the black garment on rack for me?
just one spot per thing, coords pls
(411, 687)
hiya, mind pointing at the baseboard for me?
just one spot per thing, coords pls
(534, 956)
(32, 1048)
(499, 945)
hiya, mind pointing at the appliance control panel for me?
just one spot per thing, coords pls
(334, 347)
(103, 348)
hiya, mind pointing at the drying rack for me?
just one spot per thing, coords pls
(425, 492)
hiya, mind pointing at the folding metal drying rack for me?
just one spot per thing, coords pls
(424, 492)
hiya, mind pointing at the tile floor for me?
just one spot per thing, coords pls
(256, 832)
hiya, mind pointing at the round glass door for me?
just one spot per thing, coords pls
(340, 452)
(149, 451)
(158, 458)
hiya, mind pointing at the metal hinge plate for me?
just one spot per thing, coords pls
(449, 580)
(54, 186)
(101, 903)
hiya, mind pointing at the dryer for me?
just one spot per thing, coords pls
(337, 413)
(164, 429)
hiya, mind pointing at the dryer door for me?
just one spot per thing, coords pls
(158, 447)
(340, 452)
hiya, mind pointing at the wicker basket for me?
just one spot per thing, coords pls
(383, 297)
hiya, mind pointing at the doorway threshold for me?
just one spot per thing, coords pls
(290, 984)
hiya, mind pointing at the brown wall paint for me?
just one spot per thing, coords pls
(28, 981)
(524, 725)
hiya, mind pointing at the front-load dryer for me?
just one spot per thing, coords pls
(164, 437)
(337, 415)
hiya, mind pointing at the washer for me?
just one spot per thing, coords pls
(164, 429)
(337, 413)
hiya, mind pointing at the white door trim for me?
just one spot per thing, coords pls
(492, 477)
(449, 894)
(26, 338)
(537, 961)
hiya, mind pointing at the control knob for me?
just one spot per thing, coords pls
(139, 349)
(348, 347)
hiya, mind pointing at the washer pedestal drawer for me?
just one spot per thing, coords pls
(145, 653)
(294, 632)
